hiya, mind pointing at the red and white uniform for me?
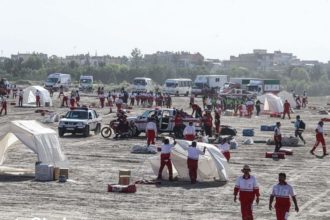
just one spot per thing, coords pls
(102, 99)
(119, 103)
(277, 134)
(320, 135)
(151, 131)
(189, 133)
(224, 148)
(282, 193)
(38, 98)
(165, 159)
(3, 105)
(247, 188)
(286, 110)
(192, 162)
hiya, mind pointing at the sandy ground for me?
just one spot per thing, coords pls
(95, 161)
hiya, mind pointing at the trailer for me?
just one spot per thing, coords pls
(208, 84)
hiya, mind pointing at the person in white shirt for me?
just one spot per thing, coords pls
(320, 138)
(151, 131)
(189, 132)
(248, 190)
(38, 98)
(192, 161)
(282, 193)
(277, 137)
(165, 159)
(224, 147)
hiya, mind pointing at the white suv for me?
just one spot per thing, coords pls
(80, 120)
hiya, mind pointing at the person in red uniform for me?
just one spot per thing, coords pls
(282, 193)
(287, 108)
(165, 159)
(197, 110)
(64, 100)
(178, 123)
(224, 147)
(77, 98)
(151, 131)
(207, 123)
(248, 190)
(192, 161)
(72, 101)
(189, 132)
(102, 99)
(3, 105)
(320, 139)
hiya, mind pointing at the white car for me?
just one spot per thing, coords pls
(80, 120)
(165, 120)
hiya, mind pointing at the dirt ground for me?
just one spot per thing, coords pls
(95, 162)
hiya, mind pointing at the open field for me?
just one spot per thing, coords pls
(95, 161)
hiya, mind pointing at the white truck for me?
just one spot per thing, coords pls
(258, 86)
(56, 80)
(143, 84)
(86, 83)
(80, 120)
(208, 84)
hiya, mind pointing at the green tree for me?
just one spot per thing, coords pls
(136, 58)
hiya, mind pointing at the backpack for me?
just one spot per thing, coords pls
(302, 125)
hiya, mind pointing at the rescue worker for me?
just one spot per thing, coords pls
(320, 139)
(14, 91)
(64, 100)
(119, 103)
(168, 101)
(77, 97)
(151, 131)
(248, 190)
(20, 98)
(72, 101)
(189, 132)
(298, 130)
(102, 99)
(165, 159)
(197, 110)
(257, 105)
(282, 193)
(287, 108)
(110, 101)
(3, 105)
(192, 100)
(277, 137)
(178, 124)
(61, 92)
(207, 123)
(38, 98)
(217, 121)
(192, 161)
(224, 147)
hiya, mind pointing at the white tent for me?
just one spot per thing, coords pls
(211, 166)
(41, 140)
(271, 103)
(29, 97)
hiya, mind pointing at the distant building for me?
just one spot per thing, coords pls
(181, 59)
(26, 56)
(260, 60)
(86, 59)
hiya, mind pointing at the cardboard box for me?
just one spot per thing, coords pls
(124, 180)
(56, 173)
(44, 172)
(64, 172)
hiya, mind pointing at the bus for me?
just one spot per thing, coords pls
(177, 86)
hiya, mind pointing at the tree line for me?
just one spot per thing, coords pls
(313, 79)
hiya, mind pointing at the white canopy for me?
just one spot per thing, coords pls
(29, 96)
(211, 166)
(41, 140)
(272, 103)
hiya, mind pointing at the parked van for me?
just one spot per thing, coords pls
(177, 86)
(143, 84)
(86, 83)
(56, 80)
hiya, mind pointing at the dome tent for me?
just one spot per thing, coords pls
(41, 140)
(211, 166)
(271, 103)
(29, 97)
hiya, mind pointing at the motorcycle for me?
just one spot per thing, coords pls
(114, 127)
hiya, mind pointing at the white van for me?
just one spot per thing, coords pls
(56, 80)
(177, 86)
(208, 84)
(143, 84)
(86, 83)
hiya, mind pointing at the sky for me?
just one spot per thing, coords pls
(215, 28)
